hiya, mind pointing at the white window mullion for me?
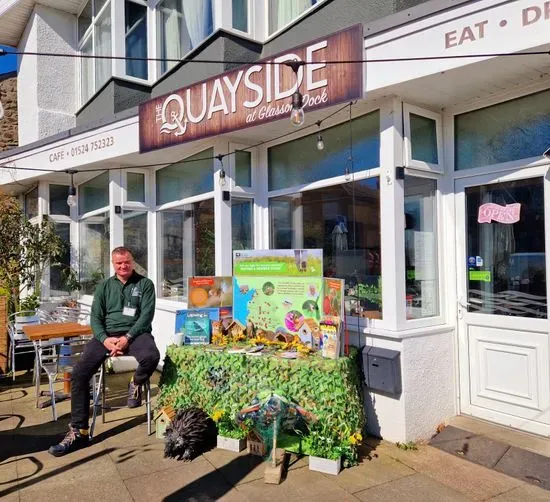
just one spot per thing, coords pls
(222, 215)
(116, 223)
(118, 38)
(392, 217)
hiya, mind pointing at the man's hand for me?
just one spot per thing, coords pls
(122, 344)
(111, 344)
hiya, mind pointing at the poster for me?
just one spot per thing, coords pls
(212, 314)
(333, 297)
(206, 292)
(278, 263)
(279, 304)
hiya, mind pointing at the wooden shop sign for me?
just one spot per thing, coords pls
(256, 93)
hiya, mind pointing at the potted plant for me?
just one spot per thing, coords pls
(231, 436)
(324, 449)
(28, 307)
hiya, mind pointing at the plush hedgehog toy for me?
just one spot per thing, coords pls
(191, 433)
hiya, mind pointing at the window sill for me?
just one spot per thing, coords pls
(406, 333)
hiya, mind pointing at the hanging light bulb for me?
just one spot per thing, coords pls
(297, 112)
(221, 180)
(71, 197)
(320, 142)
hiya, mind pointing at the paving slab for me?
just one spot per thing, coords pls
(479, 449)
(377, 470)
(196, 480)
(415, 488)
(300, 484)
(132, 461)
(473, 480)
(527, 466)
(236, 468)
(524, 493)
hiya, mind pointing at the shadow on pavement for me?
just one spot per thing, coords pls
(217, 483)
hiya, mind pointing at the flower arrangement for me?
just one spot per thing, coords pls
(321, 442)
(227, 427)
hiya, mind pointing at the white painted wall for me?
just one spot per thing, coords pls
(428, 387)
(47, 85)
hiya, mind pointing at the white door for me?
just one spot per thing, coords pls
(503, 323)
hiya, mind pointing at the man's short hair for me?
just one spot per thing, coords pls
(121, 250)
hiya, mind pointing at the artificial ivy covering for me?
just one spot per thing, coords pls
(330, 389)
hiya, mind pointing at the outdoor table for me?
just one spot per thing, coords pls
(38, 333)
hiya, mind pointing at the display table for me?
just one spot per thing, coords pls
(330, 389)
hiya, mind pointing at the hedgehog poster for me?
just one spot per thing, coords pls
(277, 304)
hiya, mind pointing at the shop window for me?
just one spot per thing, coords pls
(94, 255)
(94, 38)
(58, 270)
(193, 176)
(421, 279)
(135, 187)
(240, 15)
(183, 26)
(513, 130)
(243, 168)
(58, 200)
(423, 138)
(283, 12)
(506, 254)
(187, 246)
(299, 162)
(242, 223)
(135, 237)
(31, 204)
(94, 194)
(135, 20)
(344, 221)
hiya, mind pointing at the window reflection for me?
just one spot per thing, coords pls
(506, 249)
(344, 221)
(187, 246)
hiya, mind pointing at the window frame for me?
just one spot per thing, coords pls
(375, 172)
(90, 32)
(279, 30)
(409, 109)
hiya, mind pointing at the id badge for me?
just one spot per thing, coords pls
(129, 311)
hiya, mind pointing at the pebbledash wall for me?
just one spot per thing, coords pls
(8, 111)
(433, 341)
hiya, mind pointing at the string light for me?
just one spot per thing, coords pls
(248, 63)
(297, 112)
(222, 181)
(320, 142)
(182, 160)
(71, 197)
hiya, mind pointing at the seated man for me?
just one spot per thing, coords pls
(122, 312)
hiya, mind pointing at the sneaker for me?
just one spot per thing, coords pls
(74, 440)
(134, 395)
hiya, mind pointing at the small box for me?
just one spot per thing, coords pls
(382, 369)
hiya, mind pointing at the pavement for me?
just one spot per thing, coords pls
(123, 463)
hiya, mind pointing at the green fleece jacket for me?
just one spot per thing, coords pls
(111, 297)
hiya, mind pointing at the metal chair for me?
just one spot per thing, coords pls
(57, 358)
(19, 343)
(98, 400)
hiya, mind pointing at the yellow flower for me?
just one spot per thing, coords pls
(355, 438)
(217, 415)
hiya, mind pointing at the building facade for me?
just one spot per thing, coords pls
(428, 196)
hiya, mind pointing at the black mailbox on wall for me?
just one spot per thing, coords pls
(382, 369)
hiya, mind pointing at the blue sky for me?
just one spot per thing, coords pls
(7, 63)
